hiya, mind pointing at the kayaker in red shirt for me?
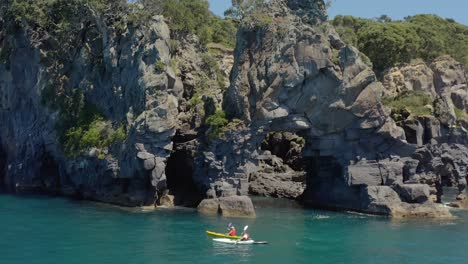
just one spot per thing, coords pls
(232, 230)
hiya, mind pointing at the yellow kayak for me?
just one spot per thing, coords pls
(221, 235)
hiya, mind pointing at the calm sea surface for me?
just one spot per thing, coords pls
(52, 230)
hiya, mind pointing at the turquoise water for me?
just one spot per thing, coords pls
(53, 230)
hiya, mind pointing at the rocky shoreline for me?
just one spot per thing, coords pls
(306, 119)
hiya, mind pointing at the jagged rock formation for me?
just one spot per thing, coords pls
(126, 88)
(295, 75)
(307, 121)
(441, 158)
(128, 72)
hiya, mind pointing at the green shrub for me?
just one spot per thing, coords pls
(99, 134)
(216, 122)
(416, 103)
(460, 114)
(195, 100)
(209, 63)
(159, 66)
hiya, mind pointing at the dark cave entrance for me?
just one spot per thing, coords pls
(180, 183)
(326, 187)
(49, 174)
(3, 167)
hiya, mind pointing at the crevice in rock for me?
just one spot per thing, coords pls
(179, 173)
(49, 174)
(287, 146)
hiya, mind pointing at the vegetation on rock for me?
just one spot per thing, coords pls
(192, 17)
(460, 114)
(82, 126)
(216, 123)
(409, 103)
(388, 43)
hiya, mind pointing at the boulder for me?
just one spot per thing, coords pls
(236, 206)
(209, 206)
(383, 200)
(413, 193)
(232, 206)
(379, 200)
(167, 200)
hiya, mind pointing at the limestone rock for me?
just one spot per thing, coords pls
(209, 207)
(385, 201)
(448, 74)
(374, 173)
(167, 200)
(232, 206)
(413, 193)
(444, 110)
(414, 132)
(281, 185)
(412, 77)
(460, 99)
(236, 206)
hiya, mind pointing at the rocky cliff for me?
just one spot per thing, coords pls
(92, 111)
(113, 111)
(313, 123)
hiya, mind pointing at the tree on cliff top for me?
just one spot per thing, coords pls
(192, 17)
(241, 8)
(388, 43)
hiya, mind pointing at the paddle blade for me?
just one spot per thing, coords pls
(245, 227)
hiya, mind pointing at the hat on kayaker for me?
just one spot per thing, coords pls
(230, 225)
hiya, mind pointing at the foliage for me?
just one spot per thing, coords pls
(209, 63)
(216, 123)
(195, 100)
(192, 16)
(90, 129)
(242, 8)
(99, 133)
(416, 103)
(159, 66)
(460, 114)
(388, 43)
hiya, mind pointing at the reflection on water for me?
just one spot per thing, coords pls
(232, 250)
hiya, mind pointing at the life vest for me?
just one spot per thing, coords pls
(233, 232)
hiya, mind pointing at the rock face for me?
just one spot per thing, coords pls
(306, 118)
(296, 76)
(131, 93)
(413, 77)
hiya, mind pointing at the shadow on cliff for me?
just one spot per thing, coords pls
(180, 183)
(2, 168)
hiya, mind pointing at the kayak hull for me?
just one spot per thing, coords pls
(237, 242)
(211, 233)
